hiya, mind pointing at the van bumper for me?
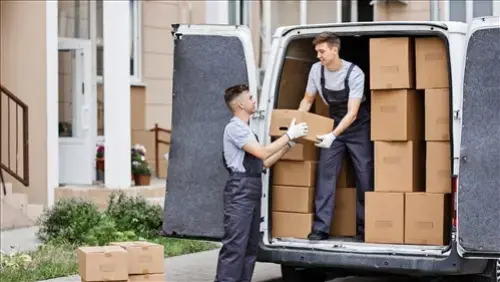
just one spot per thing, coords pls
(381, 263)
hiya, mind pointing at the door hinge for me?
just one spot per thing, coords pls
(456, 114)
(259, 114)
(83, 88)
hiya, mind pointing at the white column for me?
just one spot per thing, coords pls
(496, 8)
(339, 10)
(116, 57)
(52, 100)
(446, 10)
(469, 10)
(217, 12)
(434, 10)
(303, 12)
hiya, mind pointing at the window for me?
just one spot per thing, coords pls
(239, 12)
(135, 21)
(480, 8)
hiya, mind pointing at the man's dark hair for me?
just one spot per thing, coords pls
(328, 37)
(233, 92)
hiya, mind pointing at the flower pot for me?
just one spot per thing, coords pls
(100, 164)
(142, 180)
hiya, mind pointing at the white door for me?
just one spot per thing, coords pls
(77, 132)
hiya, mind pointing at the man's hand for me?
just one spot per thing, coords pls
(297, 130)
(325, 141)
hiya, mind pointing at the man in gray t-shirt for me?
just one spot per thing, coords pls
(340, 85)
(245, 160)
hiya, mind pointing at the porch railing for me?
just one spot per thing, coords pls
(14, 154)
(159, 141)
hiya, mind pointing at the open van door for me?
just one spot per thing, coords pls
(479, 175)
(207, 60)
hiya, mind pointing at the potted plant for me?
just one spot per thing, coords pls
(100, 157)
(141, 172)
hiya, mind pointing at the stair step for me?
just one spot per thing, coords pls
(156, 201)
(34, 211)
(8, 188)
(18, 201)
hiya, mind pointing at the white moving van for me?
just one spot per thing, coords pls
(209, 58)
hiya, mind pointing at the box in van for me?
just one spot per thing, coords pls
(224, 56)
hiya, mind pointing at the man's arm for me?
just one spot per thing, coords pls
(310, 93)
(265, 152)
(274, 158)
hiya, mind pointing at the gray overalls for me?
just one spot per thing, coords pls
(356, 139)
(242, 196)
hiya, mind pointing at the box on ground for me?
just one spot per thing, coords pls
(344, 213)
(302, 151)
(431, 63)
(294, 225)
(107, 263)
(143, 257)
(292, 173)
(438, 167)
(293, 199)
(399, 166)
(437, 114)
(318, 125)
(392, 63)
(427, 218)
(159, 277)
(397, 115)
(384, 217)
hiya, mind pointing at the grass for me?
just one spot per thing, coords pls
(59, 260)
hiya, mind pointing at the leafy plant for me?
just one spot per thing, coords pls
(14, 260)
(100, 152)
(107, 232)
(141, 168)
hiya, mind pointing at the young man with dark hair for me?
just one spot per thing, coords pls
(245, 160)
(341, 86)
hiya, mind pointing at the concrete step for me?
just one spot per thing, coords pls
(156, 201)
(8, 188)
(13, 217)
(18, 201)
(34, 211)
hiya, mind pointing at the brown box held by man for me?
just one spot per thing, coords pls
(318, 125)
(384, 217)
(438, 167)
(147, 278)
(107, 263)
(397, 115)
(344, 215)
(291, 225)
(292, 173)
(143, 257)
(392, 63)
(431, 63)
(292, 199)
(437, 114)
(427, 219)
(399, 166)
(302, 151)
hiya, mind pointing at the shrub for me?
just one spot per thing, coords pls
(68, 219)
(107, 232)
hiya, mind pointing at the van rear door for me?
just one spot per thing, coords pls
(478, 200)
(207, 60)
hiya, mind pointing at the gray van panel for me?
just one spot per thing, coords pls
(479, 178)
(204, 65)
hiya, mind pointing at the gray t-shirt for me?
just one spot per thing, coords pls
(334, 80)
(236, 135)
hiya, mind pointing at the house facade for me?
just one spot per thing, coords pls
(75, 74)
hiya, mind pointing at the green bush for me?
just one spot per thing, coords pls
(135, 213)
(68, 219)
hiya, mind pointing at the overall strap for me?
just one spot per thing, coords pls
(346, 81)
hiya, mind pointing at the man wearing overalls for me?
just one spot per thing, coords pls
(341, 86)
(245, 160)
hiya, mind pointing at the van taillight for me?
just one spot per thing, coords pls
(454, 197)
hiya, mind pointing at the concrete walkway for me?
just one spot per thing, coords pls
(22, 239)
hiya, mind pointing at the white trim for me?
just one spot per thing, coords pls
(496, 8)
(446, 10)
(52, 96)
(137, 40)
(469, 11)
(217, 12)
(354, 11)
(93, 51)
(303, 12)
(339, 11)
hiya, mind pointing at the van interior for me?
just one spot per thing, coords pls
(300, 56)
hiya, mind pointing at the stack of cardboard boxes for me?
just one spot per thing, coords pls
(122, 261)
(408, 79)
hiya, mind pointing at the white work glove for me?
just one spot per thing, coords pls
(291, 144)
(325, 140)
(297, 130)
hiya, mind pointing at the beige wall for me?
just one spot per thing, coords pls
(22, 69)
(419, 10)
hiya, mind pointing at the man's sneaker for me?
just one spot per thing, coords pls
(317, 235)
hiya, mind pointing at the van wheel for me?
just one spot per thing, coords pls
(295, 274)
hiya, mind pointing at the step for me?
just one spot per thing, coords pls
(12, 217)
(156, 201)
(18, 201)
(8, 187)
(34, 211)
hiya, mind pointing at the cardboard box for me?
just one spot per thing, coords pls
(291, 225)
(431, 63)
(392, 63)
(318, 125)
(399, 166)
(397, 115)
(344, 214)
(293, 199)
(302, 151)
(143, 257)
(347, 175)
(438, 167)
(290, 173)
(107, 263)
(384, 217)
(148, 278)
(427, 219)
(437, 114)
(320, 107)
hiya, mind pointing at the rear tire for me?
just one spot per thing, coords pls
(295, 274)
